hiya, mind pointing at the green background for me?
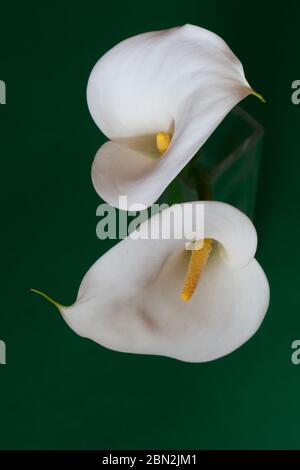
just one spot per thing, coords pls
(61, 391)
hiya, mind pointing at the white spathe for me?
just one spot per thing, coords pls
(181, 81)
(130, 301)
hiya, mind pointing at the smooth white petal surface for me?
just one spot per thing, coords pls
(130, 299)
(182, 81)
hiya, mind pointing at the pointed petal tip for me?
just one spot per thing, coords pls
(258, 95)
(47, 297)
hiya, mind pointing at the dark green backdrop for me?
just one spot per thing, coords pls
(59, 390)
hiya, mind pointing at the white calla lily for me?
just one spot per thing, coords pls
(130, 299)
(157, 93)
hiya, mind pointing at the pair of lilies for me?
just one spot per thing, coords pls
(162, 94)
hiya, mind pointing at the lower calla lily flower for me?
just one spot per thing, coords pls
(158, 97)
(153, 296)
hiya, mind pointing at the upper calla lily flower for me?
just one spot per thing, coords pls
(153, 296)
(158, 97)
